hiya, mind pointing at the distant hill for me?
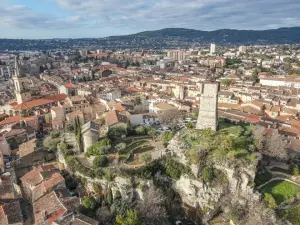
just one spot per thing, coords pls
(224, 36)
(165, 38)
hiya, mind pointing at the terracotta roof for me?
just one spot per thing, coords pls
(163, 106)
(47, 185)
(69, 86)
(39, 102)
(252, 119)
(119, 107)
(17, 119)
(27, 148)
(114, 117)
(34, 177)
(12, 213)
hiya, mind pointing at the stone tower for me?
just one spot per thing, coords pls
(208, 111)
(22, 94)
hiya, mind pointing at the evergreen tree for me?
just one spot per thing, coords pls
(110, 198)
(127, 64)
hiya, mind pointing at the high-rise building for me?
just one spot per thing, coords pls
(243, 49)
(177, 54)
(208, 111)
(212, 48)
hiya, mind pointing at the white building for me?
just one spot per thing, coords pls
(212, 48)
(243, 49)
(145, 118)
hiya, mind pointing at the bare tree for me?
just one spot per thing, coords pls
(269, 142)
(170, 117)
(274, 146)
(258, 214)
(153, 209)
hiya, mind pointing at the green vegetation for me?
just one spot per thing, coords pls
(166, 166)
(97, 188)
(226, 82)
(99, 148)
(134, 145)
(120, 147)
(70, 128)
(109, 197)
(145, 157)
(89, 202)
(189, 125)
(166, 137)
(207, 174)
(117, 132)
(231, 62)
(270, 201)
(131, 218)
(100, 161)
(282, 191)
(146, 130)
(291, 214)
(230, 143)
(50, 143)
(262, 177)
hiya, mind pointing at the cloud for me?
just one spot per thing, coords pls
(106, 17)
(197, 14)
(23, 17)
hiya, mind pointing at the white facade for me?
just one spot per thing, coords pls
(212, 48)
(138, 119)
(280, 82)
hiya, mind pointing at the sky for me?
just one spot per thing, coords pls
(35, 19)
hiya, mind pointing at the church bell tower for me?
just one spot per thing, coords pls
(21, 91)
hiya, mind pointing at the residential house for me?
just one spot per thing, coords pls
(54, 207)
(11, 213)
(144, 118)
(90, 133)
(161, 106)
(40, 181)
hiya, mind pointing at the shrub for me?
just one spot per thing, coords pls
(99, 148)
(189, 125)
(131, 218)
(140, 130)
(97, 188)
(89, 202)
(120, 147)
(108, 176)
(70, 128)
(51, 143)
(117, 132)
(270, 201)
(207, 174)
(100, 161)
(145, 157)
(55, 134)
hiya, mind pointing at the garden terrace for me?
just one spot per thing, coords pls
(282, 191)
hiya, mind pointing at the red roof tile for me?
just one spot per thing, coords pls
(69, 86)
(39, 102)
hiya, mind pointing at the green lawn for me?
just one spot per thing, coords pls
(282, 191)
(234, 130)
(292, 214)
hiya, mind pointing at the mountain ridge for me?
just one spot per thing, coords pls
(162, 39)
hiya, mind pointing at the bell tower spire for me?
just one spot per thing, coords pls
(17, 70)
(21, 92)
